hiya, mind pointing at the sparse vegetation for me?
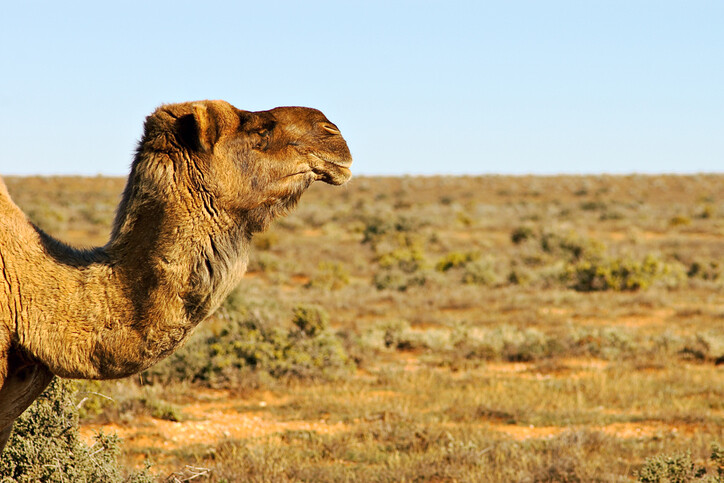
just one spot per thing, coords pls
(434, 329)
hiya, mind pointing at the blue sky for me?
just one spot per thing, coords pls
(425, 87)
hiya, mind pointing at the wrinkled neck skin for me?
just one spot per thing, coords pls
(120, 308)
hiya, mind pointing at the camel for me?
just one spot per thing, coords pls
(205, 178)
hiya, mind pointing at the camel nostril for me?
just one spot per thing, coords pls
(330, 128)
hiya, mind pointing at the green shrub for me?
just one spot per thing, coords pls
(456, 260)
(402, 262)
(394, 334)
(160, 409)
(611, 215)
(464, 219)
(475, 271)
(45, 445)
(310, 320)
(249, 342)
(707, 212)
(521, 234)
(679, 468)
(396, 279)
(398, 335)
(603, 342)
(408, 255)
(519, 276)
(480, 272)
(528, 345)
(619, 274)
(593, 205)
(330, 276)
(504, 342)
(679, 220)
(379, 227)
(717, 458)
(705, 346)
(571, 246)
(705, 270)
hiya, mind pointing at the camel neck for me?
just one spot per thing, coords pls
(122, 307)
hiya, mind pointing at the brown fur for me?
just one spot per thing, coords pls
(205, 178)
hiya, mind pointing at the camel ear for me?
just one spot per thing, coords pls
(198, 130)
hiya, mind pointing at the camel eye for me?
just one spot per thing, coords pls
(262, 140)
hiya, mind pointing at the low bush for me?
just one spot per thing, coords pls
(45, 445)
(571, 246)
(681, 469)
(593, 206)
(378, 227)
(705, 270)
(402, 262)
(406, 254)
(705, 346)
(620, 274)
(480, 272)
(707, 212)
(247, 341)
(330, 276)
(396, 279)
(522, 234)
(456, 260)
(680, 220)
(503, 342)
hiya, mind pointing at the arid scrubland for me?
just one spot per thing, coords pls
(433, 329)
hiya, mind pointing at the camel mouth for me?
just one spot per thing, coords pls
(297, 173)
(333, 173)
(345, 163)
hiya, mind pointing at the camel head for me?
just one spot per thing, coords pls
(205, 178)
(255, 164)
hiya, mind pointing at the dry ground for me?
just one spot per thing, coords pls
(496, 368)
